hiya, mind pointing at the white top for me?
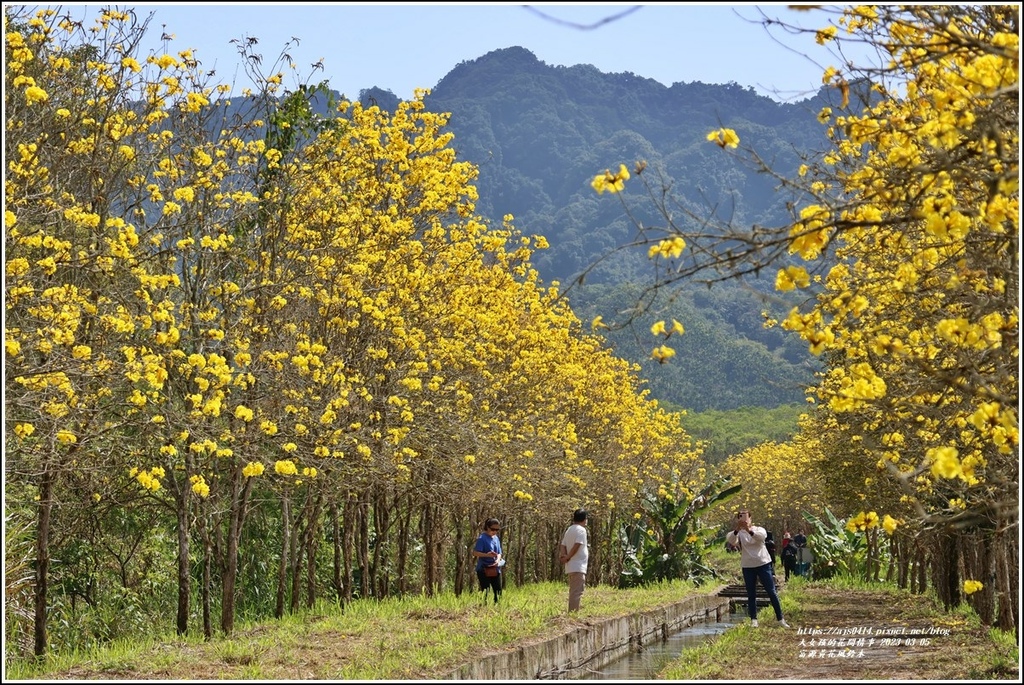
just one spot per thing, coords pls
(753, 553)
(573, 534)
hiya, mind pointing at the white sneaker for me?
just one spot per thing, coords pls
(782, 622)
(753, 623)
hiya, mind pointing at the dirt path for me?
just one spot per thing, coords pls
(856, 635)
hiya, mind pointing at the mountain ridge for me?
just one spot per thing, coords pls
(539, 133)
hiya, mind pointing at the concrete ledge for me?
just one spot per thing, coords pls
(593, 646)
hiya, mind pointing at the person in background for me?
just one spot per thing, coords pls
(789, 553)
(756, 564)
(574, 555)
(769, 544)
(800, 540)
(487, 551)
(786, 539)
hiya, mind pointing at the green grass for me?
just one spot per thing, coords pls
(394, 638)
(426, 638)
(711, 660)
(993, 658)
(1004, 659)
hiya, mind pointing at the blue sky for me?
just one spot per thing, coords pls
(402, 46)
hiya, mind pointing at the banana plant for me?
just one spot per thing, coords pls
(836, 549)
(667, 541)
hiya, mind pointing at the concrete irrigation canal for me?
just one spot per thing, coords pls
(629, 647)
(649, 660)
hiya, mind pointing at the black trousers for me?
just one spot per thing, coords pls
(492, 583)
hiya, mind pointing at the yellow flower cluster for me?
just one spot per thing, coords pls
(946, 463)
(670, 248)
(613, 183)
(150, 479)
(660, 328)
(792, 277)
(662, 353)
(724, 137)
(199, 486)
(824, 35)
(862, 521)
(252, 469)
(285, 467)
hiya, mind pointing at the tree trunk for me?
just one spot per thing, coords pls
(311, 545)
(890, 571)
(236, 517)
(902, 555)
(364, 549)
(379, 573)
(986, 571)
(945, 561)
(1007, 575)
(295, 562)
(348, 546)
(207, 594)
(404, 521)
(921, 559)
(458, 523)
(43, 558)
(282, 564)
(594, 575)
(184, 575)
(521, 535)
(427, 529)
(337, 575)
(554, 566)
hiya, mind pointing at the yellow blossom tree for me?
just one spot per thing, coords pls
(906, 232)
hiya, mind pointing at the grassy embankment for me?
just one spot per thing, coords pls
(955, 647)
(421, 638)
(416, 637)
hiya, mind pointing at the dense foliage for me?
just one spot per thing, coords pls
(725, 433)
(537, 132)
(905, 240)
(263, 353)
(257, 355)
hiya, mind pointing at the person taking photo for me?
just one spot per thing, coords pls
(756, 564)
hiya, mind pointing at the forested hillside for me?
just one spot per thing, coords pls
(539, 133)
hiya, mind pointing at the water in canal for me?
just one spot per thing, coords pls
(645, 664)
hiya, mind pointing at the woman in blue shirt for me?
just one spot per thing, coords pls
(487, 551)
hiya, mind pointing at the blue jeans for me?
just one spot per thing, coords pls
(764, 574)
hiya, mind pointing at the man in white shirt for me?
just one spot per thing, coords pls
(756, 564)
(574, 555)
